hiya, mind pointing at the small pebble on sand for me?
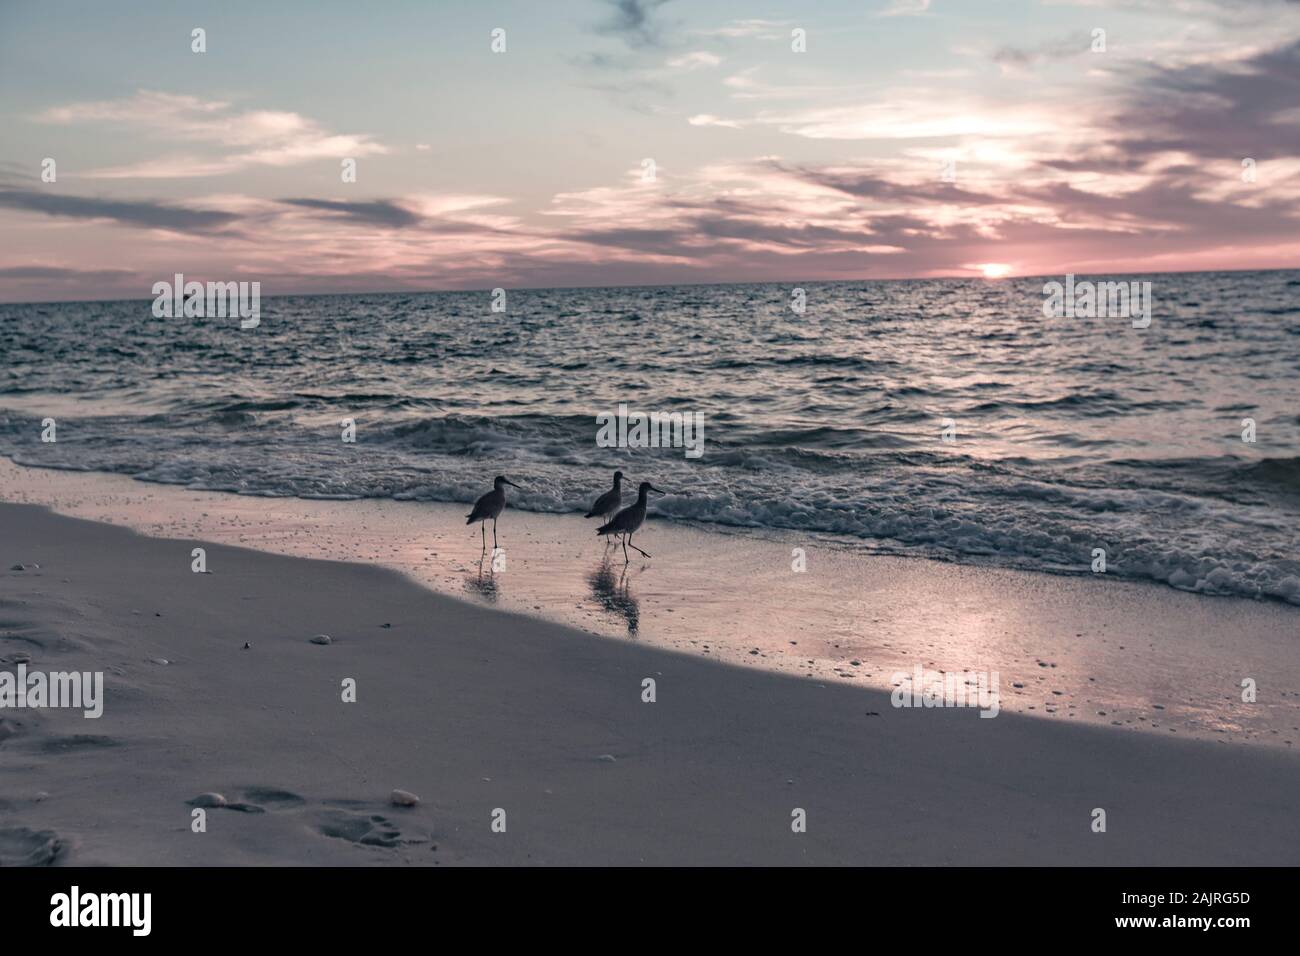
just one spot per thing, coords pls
(403, 798)
(208, 800)
(321, 639)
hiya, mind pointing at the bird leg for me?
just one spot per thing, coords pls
(494, 534)
(634, 547)
(482, 527)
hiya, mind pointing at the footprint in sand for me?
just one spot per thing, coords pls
(255, 797)
(340, 820)
(12, 657)
(12, 634)
(217, 801)
(20, 846)
(273, 798)
(373, 830)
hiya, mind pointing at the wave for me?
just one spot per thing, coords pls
(1072, 435)
(1012, 513)
(1283, 473)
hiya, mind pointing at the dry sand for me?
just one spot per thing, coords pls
(475, 709)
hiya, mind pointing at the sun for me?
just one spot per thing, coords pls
(994, 270)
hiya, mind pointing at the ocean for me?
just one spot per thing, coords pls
(945, 418)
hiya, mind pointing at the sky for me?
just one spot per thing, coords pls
(639, 142)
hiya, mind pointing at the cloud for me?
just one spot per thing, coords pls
(745, 80)
(905, 8)
(63, 273)
(1011, 58)
(916, 114)
(633, 22)
(1138, 178)
(238, 139)
(139, 213)
(871, 183)
(708, 119)
(694, 60)
(1221, 11)
(1233, 110)
(379, 212)
(754, 28)
(1145, 174)
(746, 84)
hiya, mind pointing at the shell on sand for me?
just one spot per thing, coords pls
(403, 798)
(208, 800)
(321, 639)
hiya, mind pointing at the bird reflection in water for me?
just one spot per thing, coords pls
(611, 591)
(484, 584)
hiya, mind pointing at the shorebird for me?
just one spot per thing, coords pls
(490, 506)
(608, 504)
(629, 519)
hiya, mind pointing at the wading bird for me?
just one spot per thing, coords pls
(490, 506)
(608, 504)
(629, 519)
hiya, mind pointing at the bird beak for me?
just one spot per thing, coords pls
(512, 484)
(657, 491)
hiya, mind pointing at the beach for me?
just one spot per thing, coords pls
(212, 685)
(634, 433)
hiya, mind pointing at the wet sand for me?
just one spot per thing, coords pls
(1079, 649)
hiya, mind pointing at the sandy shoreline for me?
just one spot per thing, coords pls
(1090, 649)
(475, 709)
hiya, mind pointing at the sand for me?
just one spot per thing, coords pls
(485, 715)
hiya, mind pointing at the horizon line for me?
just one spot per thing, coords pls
(669, 285)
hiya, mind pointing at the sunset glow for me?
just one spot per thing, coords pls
(642, 143)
